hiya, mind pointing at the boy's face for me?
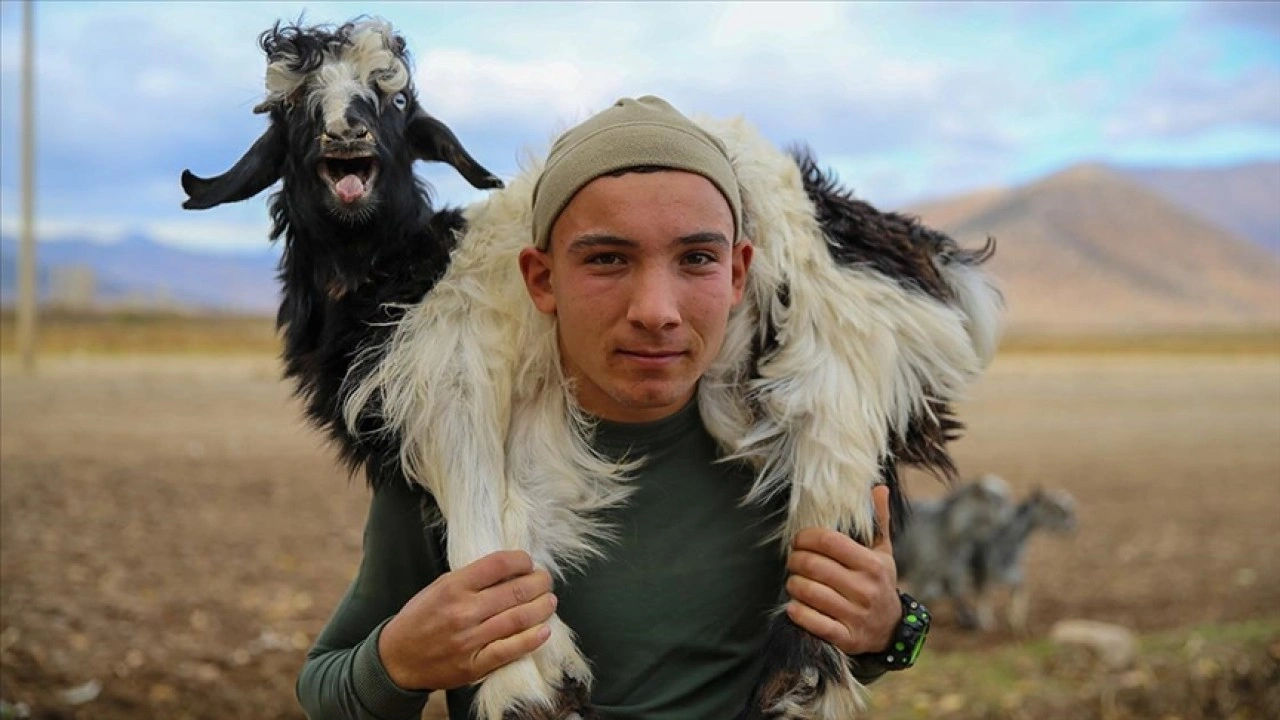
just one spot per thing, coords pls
(641, 274)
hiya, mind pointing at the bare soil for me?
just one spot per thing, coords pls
(171, 530)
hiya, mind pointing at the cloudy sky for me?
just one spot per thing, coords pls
(905, 101)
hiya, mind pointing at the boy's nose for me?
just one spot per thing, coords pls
(654, 304)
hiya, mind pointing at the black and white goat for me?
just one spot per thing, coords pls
(935, 551)
(410, 333)
(361, 239)
(997, 560)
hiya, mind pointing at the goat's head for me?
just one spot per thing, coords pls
(979, 507)
(1053, 510)
(346, 127)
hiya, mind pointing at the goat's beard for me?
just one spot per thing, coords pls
(362, 214)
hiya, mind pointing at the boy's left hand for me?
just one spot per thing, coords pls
(843, 592)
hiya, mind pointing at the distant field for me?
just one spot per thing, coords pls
(171, 530)
(126, 333)
(109, 333)
(1207, 341)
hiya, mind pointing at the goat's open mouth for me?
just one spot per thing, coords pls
(350, 177)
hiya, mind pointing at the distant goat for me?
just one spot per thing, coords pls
(934, 551)
(410, 335)
(997, 559)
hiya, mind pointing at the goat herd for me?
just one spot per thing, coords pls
(963, 547)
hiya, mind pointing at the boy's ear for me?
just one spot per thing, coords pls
(742, 254)
(535, 267)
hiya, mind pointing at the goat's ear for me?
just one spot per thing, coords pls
(253, 173)
(433, 141)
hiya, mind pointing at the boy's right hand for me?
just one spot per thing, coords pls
(468, 623)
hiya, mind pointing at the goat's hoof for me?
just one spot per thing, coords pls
(572, 701)
(804, 678)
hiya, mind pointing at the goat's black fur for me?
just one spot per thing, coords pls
(898, 246)
(309, 46)
(797, 666)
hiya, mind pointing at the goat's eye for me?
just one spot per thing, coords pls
(400, 100)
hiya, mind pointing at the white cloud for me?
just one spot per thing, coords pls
(1180, 104)
(466, 86)
(54, 229)
(208, 234)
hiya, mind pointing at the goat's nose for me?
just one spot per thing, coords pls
(352, 133)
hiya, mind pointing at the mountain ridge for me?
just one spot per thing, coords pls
(1091, 246)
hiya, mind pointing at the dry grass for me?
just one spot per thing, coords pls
(145, 333)
(109, 333)
(1201, 673)
(1207, 341)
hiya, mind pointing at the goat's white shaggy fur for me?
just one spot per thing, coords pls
(366, 61)
(472, 382)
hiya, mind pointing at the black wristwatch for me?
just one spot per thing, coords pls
(904, 648)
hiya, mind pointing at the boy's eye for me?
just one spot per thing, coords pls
(700, 257)
(604, 259)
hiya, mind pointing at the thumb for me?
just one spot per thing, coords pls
(880, 498)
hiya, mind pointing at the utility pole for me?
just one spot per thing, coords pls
(27, 276)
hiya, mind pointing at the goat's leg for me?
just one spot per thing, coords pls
(473, 534)
(487, 509)
(553, 682)
(973, 606)
(562, 676)
(1018, 607)
(480, 523)
(968, 615)
(805, 677)
(962, 598)
(984, 615)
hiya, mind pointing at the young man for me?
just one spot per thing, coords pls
(638, 253)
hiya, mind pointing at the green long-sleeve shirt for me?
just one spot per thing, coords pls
(672, 620)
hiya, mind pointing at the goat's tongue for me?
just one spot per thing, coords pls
(350, 188)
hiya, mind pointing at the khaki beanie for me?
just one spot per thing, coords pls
(632, 133)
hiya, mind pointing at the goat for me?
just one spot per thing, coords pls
(997, 558)
(934, 553)
(361, 238)
(410, 332)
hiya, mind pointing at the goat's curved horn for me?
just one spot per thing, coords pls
(252, 173)
(433, 141)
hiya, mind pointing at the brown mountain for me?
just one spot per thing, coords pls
(1091, 249)
(1240, 198)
